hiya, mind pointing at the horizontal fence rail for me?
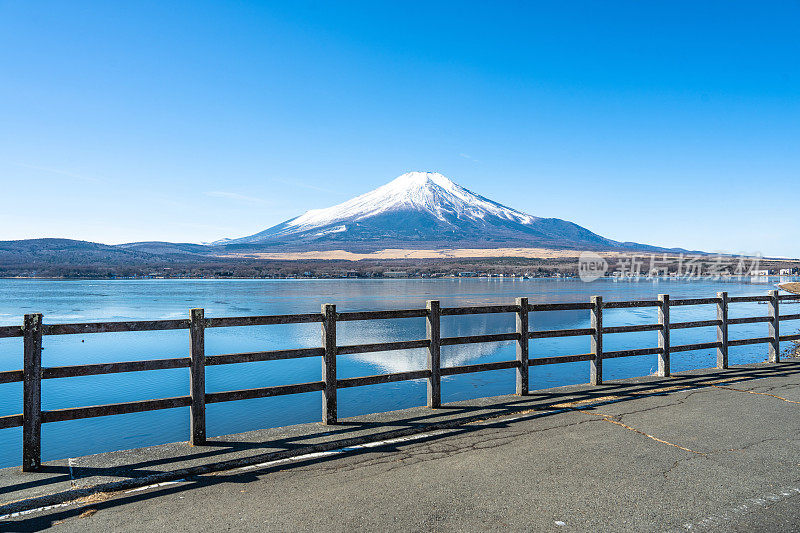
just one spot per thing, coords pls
(33, 373)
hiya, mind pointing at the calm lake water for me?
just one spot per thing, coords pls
(79, 301)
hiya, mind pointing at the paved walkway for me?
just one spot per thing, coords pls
(700, 451)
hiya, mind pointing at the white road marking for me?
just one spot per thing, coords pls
(717, 519)
(338, 451)
(154, 486)
(76, 502)
(38, 509)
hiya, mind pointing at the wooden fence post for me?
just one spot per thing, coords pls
(774, 328)
(522, 346)
(329, 412)
(722, 330)
(596, 364)
(197, 376)
(663, 335)
(434, 334)
(32, 394)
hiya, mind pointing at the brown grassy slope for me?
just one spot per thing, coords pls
(791, 287)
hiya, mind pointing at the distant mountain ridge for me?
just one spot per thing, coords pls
(418, 210)
(424, 210)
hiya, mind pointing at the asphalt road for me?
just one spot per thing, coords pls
(718, 458)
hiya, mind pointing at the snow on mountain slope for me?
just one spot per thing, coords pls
(421, 209)
(421, 191)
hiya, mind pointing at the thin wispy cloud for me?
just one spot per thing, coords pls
(469, 157)
(227, 195)
(81, 177)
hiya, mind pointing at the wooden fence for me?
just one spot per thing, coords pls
(33, 373)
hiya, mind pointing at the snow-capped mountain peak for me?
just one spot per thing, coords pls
(429, 192)
(422, 209)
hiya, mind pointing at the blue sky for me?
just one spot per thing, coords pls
(668, 123)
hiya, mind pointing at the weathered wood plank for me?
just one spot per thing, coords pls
(264, 392)
(774, 327)
(476, 339)
(382, 315)
(523, 345)
(745, 342)
(113, 368)
(742, 299)
(197, 379)
(254, 357)
(267, 320)
(693, 301)
(627, 305)
(722, 330)
(383, 378)
(749, 320)
(434, 334)
(478, 310)
(663, 336)
(10, 421)
(76, 413)
(698, 346)
(114, 327)
(557, 359)
(382, 347)
(10, 331)
(329, 402)
(550, 333)
(791, 317)
(12, 376)
(577, 306)
(791, 337)
(596, 342)
(32, 394)
(482, 367)
(631, 329)
(694, 324)
(789, 297)
(631, 353)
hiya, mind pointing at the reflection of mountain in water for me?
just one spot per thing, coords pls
(376, 331)
(405, 360)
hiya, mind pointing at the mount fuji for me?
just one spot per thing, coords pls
(424, 210)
